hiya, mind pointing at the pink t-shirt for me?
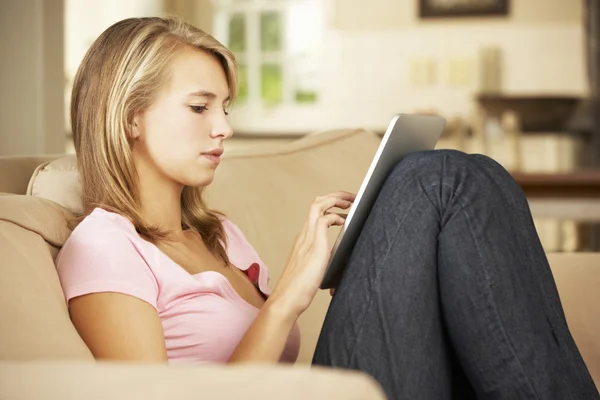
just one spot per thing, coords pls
(202, 316)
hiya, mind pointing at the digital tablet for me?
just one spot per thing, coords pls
(406, 134)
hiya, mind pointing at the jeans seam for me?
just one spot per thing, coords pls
(527, 249)
(376, 279)
(554, 309)
(493, 302)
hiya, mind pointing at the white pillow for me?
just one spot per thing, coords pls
(58, 181)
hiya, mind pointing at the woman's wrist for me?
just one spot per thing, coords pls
(280, 309)
(267, 336)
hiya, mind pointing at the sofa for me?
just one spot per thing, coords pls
(266, 190)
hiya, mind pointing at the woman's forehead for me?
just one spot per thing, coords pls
(193, 71)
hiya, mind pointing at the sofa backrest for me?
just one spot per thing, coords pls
(267, 191)
(34, 322)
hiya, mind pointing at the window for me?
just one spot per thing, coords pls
(276, 43)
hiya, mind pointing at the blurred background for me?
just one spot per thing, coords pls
(516, 79)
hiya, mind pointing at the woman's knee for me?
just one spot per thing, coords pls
(450, 167)
(432, 162)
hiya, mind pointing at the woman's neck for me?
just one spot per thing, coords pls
(160, 199)
(162, 208)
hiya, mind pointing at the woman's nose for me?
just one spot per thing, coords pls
(222, 128)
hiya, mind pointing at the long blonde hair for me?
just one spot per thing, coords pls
(117, 79)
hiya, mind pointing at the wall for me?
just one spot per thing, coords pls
(375, 51)
(353, 15)
(370, 54)
(197, 12)
(31, 77)
(85, 20)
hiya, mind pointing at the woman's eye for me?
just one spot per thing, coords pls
(198, 109)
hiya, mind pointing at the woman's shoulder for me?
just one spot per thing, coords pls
(103, 223)
(105, 254)
(232, 231)
(99, 228)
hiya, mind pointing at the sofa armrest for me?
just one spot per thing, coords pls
(577, 277)
(110, 380)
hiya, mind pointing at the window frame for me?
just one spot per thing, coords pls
(253, 58)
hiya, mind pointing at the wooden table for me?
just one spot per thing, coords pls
(572, 196)
(580, 184)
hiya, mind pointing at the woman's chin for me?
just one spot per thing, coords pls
(205, 178)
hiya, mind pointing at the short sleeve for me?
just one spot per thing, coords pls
(105, 260)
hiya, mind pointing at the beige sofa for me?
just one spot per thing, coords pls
(266, 191)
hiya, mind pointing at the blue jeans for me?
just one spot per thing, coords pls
(448, 293)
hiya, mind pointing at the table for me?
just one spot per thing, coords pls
(572, 195)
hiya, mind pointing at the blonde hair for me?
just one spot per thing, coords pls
(117, 79)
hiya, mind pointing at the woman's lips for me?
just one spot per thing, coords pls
(214, 155)
(213, 158)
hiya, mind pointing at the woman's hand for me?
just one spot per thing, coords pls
(266, 338)
(305, 270)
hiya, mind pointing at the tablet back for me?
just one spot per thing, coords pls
(406, 134)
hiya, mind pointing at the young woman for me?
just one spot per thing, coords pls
(448, 293)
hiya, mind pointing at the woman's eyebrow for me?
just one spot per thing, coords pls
(206, 93)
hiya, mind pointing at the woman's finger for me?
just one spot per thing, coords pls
(327, 199)
(329, 202)
(319, 208)
(330, 220)
(319, 233)
(340, 214)
(343, 195)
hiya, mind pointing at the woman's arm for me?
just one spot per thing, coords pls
(118, 326)
(267, 336)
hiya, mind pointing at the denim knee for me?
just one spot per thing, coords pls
(446, 162)
(429, 163)
(452, 168)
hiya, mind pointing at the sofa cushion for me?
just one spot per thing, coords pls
(577, 277)
(46, 218)
(34, 322)
(58, 180)
(125, 381)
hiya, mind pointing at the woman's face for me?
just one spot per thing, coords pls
(181, 134)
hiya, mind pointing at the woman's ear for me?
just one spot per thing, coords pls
(135, 127)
